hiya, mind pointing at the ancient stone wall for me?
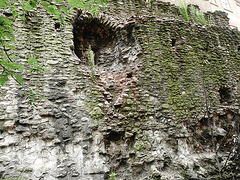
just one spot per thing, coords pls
(160, 102)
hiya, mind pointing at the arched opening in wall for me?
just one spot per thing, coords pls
(91, 33)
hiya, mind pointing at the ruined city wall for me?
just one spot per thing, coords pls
(160, 100)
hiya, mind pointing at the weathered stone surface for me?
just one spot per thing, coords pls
(8, 124)
(143, 115)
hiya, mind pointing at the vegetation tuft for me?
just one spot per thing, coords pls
(184, 10)
(198, 15)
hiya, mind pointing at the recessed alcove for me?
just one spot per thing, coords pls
(114, 47)
(91, 32)
(115, 136)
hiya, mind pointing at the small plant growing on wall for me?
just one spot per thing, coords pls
(112, 176)
(198, 15)
(91, 56)
(184, 10)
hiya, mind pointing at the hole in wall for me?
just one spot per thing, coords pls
(115, 136)
(238, 48)
(207, 47)
(204, 121)
(225, 95)
(57, 25)
(118, 106)
(7, 13)
(132, 154)
(174, 42)
(219, 137)
(130, 37)
(129, 75)
(123, 162)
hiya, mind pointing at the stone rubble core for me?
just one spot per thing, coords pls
(139, 112)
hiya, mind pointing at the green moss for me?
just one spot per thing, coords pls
(195, 63)
(156, 177)
(94, 105)
(139, 145)
(136, 130)
(97, 113)
(166, 106)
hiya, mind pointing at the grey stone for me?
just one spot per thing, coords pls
(8, 124)
(51, 62)
(21, 128)
(133, 119)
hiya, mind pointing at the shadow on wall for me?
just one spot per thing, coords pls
(90, 32)
(114, 47)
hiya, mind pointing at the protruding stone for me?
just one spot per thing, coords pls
(9, 124)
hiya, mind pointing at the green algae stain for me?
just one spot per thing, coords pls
(94, 105)
(187, 60)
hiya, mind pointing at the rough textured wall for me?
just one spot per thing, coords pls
(160, 101)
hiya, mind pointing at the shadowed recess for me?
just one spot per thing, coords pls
(90, 32)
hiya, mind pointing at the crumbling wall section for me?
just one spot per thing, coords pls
(158, 99)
